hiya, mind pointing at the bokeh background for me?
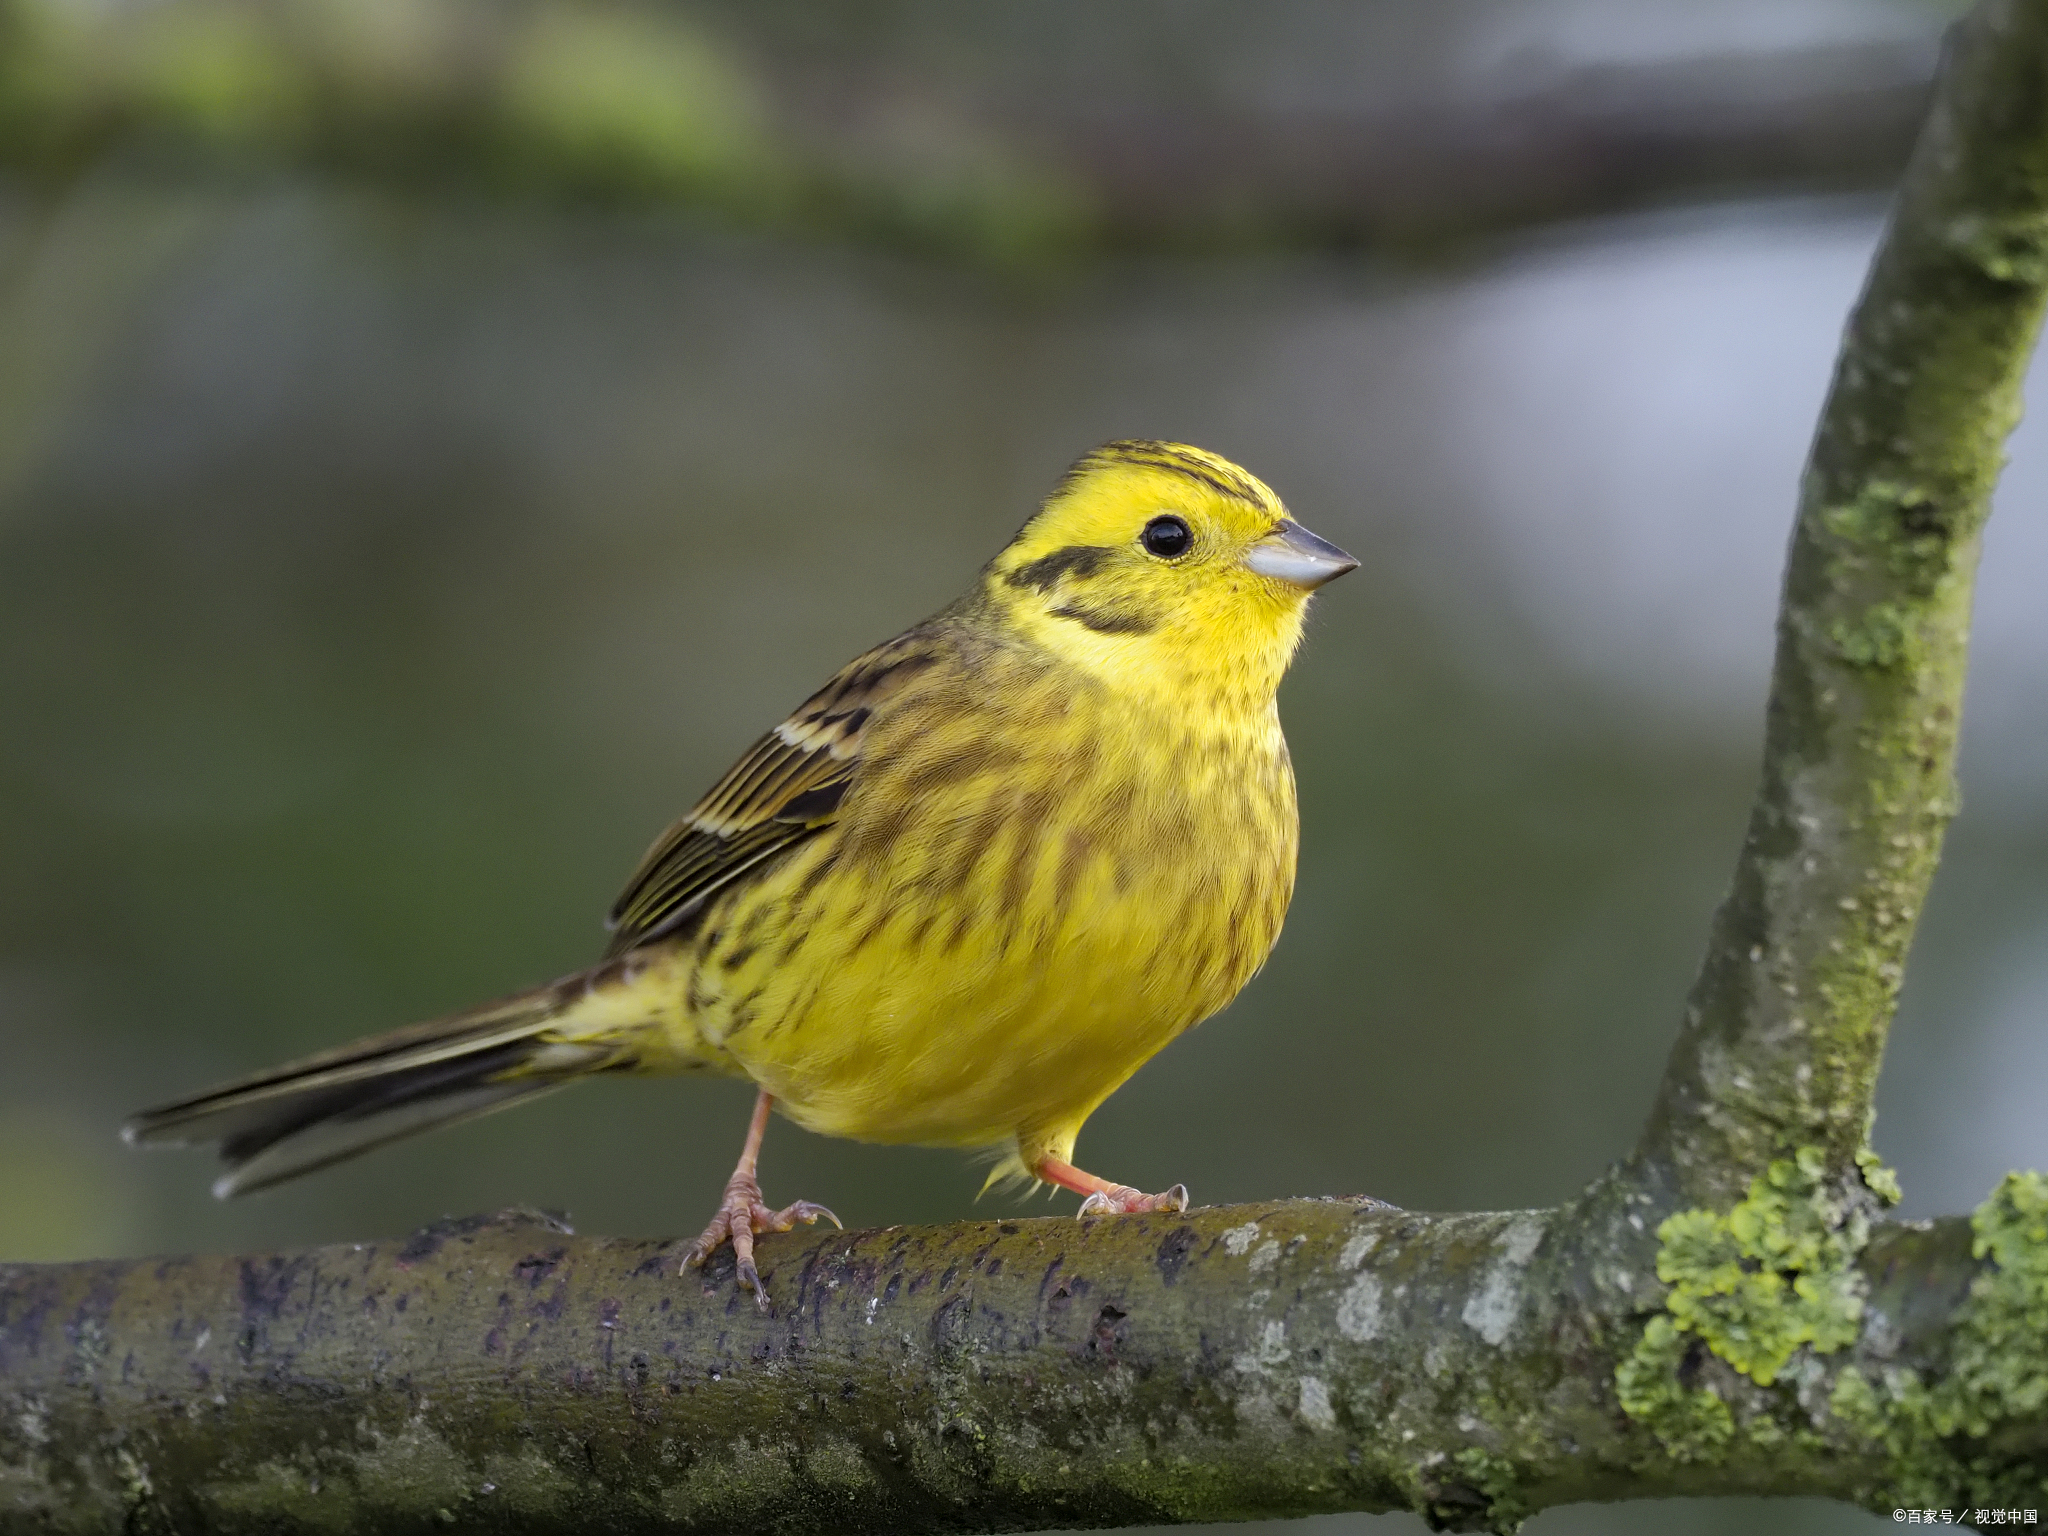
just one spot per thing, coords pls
(435, 439)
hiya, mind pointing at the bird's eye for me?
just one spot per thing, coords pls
(1166, 537)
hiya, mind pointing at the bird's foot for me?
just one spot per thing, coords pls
(742, 1216)
(1121, 1198)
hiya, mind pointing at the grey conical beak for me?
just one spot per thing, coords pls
(1292, 554)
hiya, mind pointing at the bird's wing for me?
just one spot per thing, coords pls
(784, 790)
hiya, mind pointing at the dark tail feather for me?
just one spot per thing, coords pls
(319, 1110)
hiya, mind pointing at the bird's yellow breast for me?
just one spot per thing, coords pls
(1038, 880)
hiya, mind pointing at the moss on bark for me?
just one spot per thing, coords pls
(1784, 1031)
(1283, 1359)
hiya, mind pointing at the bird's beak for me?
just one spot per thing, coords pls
(1292, 554)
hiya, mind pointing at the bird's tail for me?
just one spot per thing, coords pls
(321, 1109)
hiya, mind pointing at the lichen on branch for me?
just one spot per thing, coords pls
(1283, 1359)
(1774, 1276)
(1785, 1027)
(1967, 1420)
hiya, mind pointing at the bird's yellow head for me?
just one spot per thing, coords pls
(1156, 565)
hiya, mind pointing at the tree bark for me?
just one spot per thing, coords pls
(1727, 1312)
(1282, 1359)
(1786, 1024)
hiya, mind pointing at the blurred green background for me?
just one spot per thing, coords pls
(435, 440)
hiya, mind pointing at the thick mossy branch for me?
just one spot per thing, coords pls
(1879, 1346)
(1786, 1025)
(1266, 1360)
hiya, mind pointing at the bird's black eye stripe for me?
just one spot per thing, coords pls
(1167, 537)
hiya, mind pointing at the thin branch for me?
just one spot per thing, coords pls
(1786, 1024)
(1520, 152)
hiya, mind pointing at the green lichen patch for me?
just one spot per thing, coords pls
(1691, 1423)
(2000, 1366)
(1775, 1273)
(1752, 1288)
(1967, 1433)
(1879, 638)
(1877, 1178)
(1479, 1491)
(1906, 529)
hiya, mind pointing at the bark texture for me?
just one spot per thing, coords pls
(1786, 1025)
(1728, 1312)
(1281, 1359)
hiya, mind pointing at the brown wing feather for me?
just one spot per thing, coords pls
(786, 788)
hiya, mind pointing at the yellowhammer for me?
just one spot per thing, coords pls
(956, 899)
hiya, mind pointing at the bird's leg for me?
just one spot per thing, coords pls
(1101, 1195)
(742, 1213)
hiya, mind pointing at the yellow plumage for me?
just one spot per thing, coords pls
(958, 897)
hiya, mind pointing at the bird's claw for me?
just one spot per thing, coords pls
(743, 1216)
(1121, 1199)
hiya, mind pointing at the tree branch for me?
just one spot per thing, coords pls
(1417, 175)
(1270, 1360)
(637, 106)
(1786, 1024)
(1723, 1314)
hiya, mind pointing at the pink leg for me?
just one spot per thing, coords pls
(742, 1214)
(1105, 1196)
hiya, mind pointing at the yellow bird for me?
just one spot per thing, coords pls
(957, 898)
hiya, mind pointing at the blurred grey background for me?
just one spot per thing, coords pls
(406, 509)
